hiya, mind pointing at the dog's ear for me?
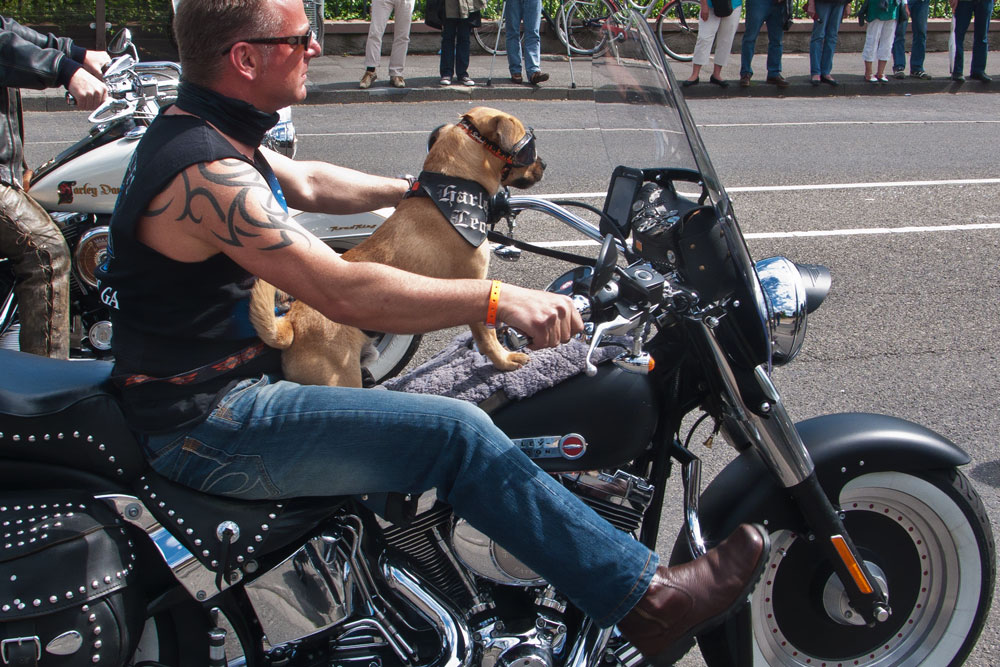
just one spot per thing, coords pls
(505, 130)
(434, 136)
(499, 127)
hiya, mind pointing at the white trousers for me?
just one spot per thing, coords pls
(878, 40)
(721, 31)
(381, 9)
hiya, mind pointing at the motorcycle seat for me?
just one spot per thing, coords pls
(61, 413)
(31, 385)
(260, 527)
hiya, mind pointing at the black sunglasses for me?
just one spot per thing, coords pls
(521, 155)
(293, 40)
(523, 152)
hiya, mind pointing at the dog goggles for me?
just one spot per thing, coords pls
(522, 155)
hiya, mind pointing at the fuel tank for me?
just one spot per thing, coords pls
(613, 416)
(88, 182)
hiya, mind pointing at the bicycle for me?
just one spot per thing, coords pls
(676, 24)
(580, 26)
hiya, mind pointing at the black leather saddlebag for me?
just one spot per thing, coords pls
(65, 596)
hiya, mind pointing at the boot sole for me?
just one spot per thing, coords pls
(686, 641)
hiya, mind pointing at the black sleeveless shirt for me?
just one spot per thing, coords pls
(171, 317)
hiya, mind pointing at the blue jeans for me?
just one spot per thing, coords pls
(530, 12)
(918, 12)
(274, 439)
(823, 43)
(964, 11)
(455, 35)
(758, 13)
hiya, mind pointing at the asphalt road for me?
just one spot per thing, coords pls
(897, 184)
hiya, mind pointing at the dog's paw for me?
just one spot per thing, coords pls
(511, 361)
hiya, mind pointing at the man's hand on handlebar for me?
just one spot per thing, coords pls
(88, 91)
(95, 62)
(548, 319)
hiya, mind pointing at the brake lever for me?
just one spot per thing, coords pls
(619, 326)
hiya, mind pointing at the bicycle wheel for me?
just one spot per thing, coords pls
(486, 36)
(586, 22)
(677, 29)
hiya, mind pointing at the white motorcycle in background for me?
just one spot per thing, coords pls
(79, 188)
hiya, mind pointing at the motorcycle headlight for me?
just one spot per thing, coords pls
(785, 297)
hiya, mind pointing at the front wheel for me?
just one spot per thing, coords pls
(928, 543)
(677, 29)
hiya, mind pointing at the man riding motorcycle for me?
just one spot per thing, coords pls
(28, 236)
(202, 211)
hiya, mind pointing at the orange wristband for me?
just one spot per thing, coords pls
(491, 310)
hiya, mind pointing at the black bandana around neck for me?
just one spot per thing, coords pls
(463, 203)
(236, 118)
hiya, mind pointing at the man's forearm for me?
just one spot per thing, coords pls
(333, 189)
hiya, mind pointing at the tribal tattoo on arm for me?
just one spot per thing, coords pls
(241, 219)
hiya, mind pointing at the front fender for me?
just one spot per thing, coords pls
(842, 446)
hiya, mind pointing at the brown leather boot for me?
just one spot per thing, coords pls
(688, 599)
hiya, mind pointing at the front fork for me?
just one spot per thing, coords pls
(771, 432)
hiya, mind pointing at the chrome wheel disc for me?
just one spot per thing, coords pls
(917, 539)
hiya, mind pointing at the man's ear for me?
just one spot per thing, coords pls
(246, 60)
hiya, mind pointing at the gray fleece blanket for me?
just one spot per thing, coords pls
(460, 371)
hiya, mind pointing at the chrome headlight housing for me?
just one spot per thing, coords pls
(785, 299)
(281, 138)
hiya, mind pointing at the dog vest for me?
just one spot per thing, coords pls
(465, 204)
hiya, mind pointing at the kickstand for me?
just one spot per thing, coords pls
(496, 44)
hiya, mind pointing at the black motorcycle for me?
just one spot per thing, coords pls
(882, 552)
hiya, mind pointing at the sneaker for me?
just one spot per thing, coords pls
(872, 78)
(466, 81)
(538, 77)
(745, 81)
(920, 74)
(397, 81)
(898, 73)
(367, 80)
(445, 81)
(883, 79)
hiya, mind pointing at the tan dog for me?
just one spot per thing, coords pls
(418, 238)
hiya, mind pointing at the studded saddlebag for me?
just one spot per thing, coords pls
(65, 566)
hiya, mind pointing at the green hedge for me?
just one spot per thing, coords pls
(154, 15)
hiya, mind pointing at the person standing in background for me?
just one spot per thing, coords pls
(528, 12)
(964, 11)
(720, 30)
(28, 235)
(402, 11)
(878, 38)
(456, 33)
(773, 14)
(827, 16)
(917, 11)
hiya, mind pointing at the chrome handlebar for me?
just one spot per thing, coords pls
(594, 333)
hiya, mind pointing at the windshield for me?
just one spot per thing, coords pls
(635, 93)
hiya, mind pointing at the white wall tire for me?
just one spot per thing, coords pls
(929, 534)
